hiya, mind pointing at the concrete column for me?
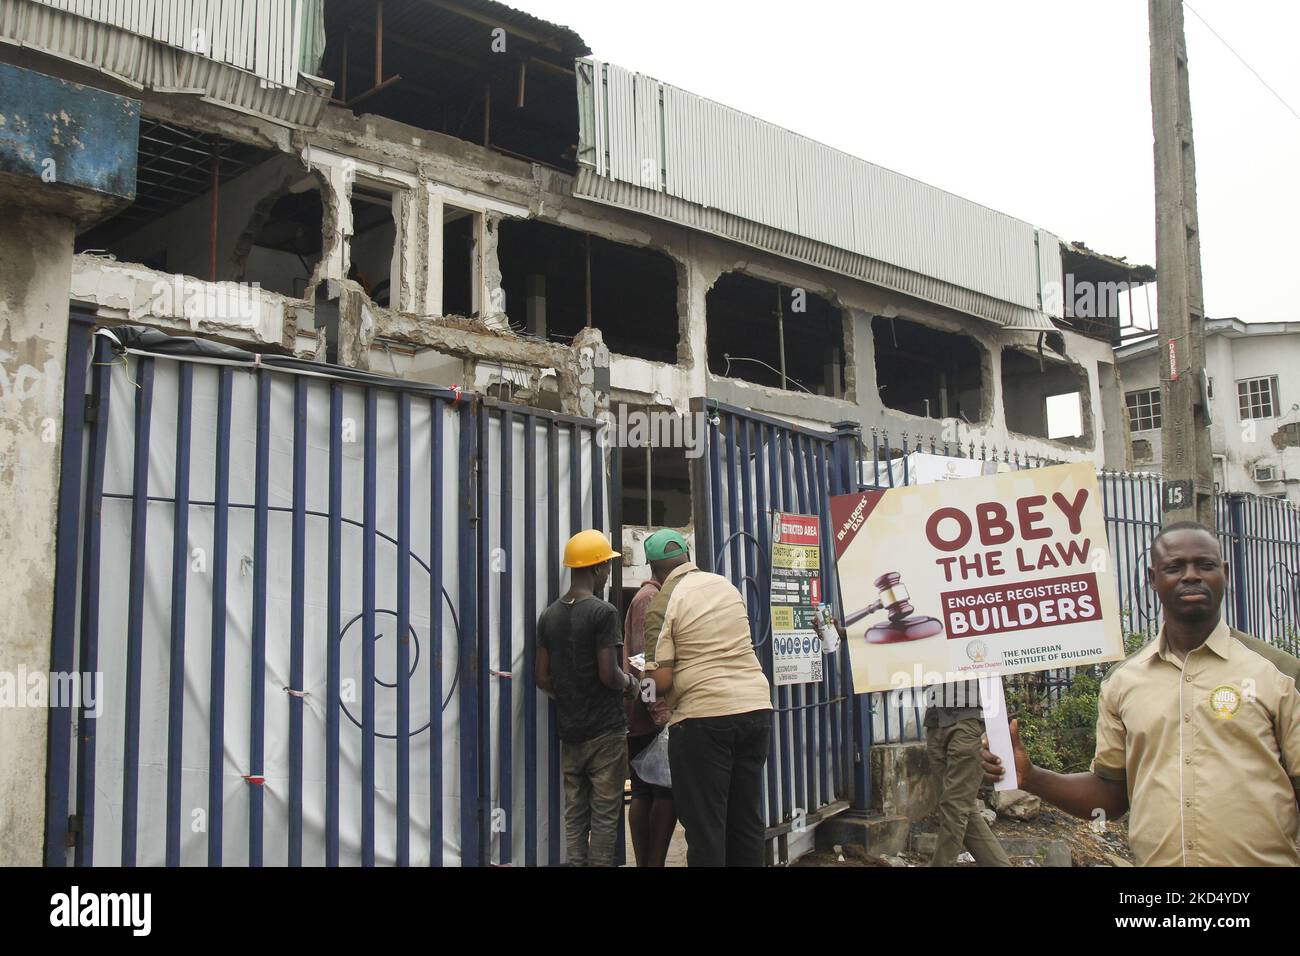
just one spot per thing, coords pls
(696, 330)
(584, 379)
(67, 160)
(36, 249)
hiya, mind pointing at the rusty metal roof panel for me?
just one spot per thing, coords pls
(100, 35)
(261, 36)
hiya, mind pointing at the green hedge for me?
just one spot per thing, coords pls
(1060, 734)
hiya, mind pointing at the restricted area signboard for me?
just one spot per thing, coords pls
(987, 575)
(796, 592)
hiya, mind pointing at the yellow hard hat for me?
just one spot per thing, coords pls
(588, 548)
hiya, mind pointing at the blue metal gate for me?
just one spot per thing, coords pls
(753, 466)
(310, 593)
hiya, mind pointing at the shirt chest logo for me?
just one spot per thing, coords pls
(1224, 701)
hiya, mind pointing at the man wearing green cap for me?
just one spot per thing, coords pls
(651, 818)
(700, 655)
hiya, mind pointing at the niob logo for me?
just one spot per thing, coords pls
(662, 428)
(74, 908)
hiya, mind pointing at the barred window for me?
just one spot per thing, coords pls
(1257, 398)
(1143, 409)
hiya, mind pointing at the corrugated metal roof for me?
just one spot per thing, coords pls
(758, 183)
(263, 37)
(116, 45)
(588, 185)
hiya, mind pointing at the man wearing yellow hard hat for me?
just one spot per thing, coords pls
(579, 663)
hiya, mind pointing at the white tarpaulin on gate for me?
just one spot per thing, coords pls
(197, 816)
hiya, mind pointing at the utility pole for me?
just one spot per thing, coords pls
(1184, 430)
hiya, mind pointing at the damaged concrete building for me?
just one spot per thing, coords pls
(1255, 413)
(454, 191)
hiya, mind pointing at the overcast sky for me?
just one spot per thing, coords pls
(1037, 108)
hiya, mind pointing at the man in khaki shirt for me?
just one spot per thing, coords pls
(699, 653)
(1198, 733)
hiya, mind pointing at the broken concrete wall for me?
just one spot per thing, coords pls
(1028, 380)
(228, 310)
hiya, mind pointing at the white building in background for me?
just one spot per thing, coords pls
(1254, 393)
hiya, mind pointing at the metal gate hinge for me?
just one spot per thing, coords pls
(74, 831)
(91, 414)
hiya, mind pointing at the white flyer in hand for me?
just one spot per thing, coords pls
(994, 703)
(637, 661)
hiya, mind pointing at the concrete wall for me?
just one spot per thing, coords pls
(1115, 436)
(36, 250)
(901, 782)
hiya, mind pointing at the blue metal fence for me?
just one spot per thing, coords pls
(310, 593)
(1260, 539)
(754, 466)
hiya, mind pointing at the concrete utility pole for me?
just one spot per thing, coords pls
(1184, 430)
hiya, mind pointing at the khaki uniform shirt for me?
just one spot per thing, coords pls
(1210, 750)
(697, 626)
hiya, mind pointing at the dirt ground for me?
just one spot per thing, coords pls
(1089, 845)
(676, 849)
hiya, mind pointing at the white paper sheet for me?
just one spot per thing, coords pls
(994, 701)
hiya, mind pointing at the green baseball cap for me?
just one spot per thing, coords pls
(665, 543)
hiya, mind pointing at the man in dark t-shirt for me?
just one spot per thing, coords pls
(579, 657)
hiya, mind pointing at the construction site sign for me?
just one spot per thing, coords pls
(796, 592)
(999, 574)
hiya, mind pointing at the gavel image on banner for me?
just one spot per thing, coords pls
(901, 626)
